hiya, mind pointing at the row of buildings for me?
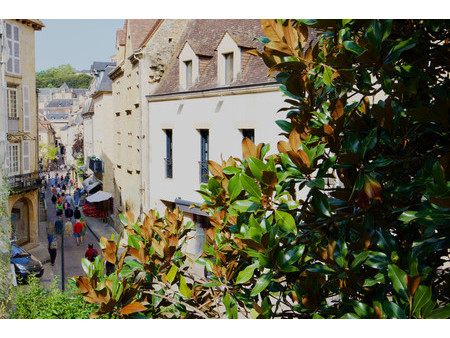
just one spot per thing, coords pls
(177, 94)
(19, 143)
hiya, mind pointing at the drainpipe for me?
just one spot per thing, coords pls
(3, 113)
(139, 55)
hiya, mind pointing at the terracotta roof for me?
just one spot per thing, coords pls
(139, 29)
(204, 36)
(120, 37)
(35, 23)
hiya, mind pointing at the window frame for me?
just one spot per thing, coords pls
(169, 153)
(9, 92)
(228, 67)
(204, 154)
(11, 44)
(13, 156)
(188, 72)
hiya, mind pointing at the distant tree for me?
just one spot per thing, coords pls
(55, 77)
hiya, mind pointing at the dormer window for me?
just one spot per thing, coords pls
(228, 67)
(189, 65)
(228, 61)
(188, 71)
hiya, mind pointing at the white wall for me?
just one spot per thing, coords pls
(224, 120)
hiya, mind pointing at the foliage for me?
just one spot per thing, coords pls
(34, 301)
(48, 152)
(348, 220)
(5, 246)
(55, 78)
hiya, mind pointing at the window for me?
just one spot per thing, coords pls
(188, 69)
(14, 164)
(11, 103)
(204, 155)
(169, 158)
(250, 133)
(228, 67)
(13, 48)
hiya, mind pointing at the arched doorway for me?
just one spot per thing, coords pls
(20, 221)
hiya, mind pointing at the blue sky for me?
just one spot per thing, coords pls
(75, 42)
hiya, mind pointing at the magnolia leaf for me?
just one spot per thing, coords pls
(393, 310)
(261, 284)
(172, 273)
(397, 276)
(245, 275)
(132, 308)
(248, 148)
(184, 288)
(234, 187)
(285, 221)
(250, 185)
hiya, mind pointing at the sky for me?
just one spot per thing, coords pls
(75, 42)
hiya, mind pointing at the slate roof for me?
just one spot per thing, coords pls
(106, 82)
(99, 66)
(79, 92)
(204, 37)
(65, 87)
(55, 103)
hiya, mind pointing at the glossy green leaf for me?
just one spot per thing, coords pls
(230, 306)
(392, 310)
(327, 75)
(250, 185)
(285, 221)
(340, 253)
(352, 47)
(377, 260)
(284, 125)
(359, 259)
(379, 278)
(172, 273)
(397, 276)
(294, 254)
(245, 275)
(320, 203)
(245, 206)
(363, 310)
(184, 288)
(231, 170)
(350, 316)
(440, 313)
(234, 187)
(324, 269)
(421, 298)
(261, 284)
(256, 167)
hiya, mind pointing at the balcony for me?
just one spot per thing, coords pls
(204, 171)
(24, 182)
(13, 124)
(169, 167)
(96, 165)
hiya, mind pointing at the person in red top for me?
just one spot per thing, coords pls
(77, 228)
(91, 253)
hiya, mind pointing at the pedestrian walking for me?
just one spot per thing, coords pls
(54, 190)
(83, 230)
(77, 228)
(69, 200)
(77, 214)
(52, 246)
(53, 199)
(91, 253)
(58, 189)
(52, 181)
(68, 212)
(59, 226)
(76, 196)
(59, 208)
(68, 228)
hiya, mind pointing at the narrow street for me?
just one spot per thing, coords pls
(72, 253)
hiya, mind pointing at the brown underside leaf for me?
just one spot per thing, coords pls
(132, 308)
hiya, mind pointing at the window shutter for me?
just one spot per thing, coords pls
(9, 48)
(8, 158)
(16, 51)
(26, 156)
(26, 108)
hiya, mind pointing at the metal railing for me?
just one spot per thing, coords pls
(204, 171)
(169, 167)
(24, 182)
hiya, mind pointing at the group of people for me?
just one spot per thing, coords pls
(69, 217)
